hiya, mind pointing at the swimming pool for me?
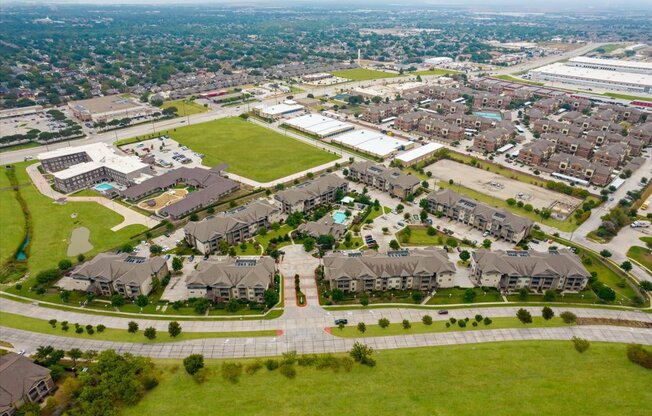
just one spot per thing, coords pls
(339, 217)
(488, 114)
(103, 186)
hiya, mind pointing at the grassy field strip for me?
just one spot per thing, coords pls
(503, 378)
(185, 108)
(12, 220)
(362, 74)
(642, 256)
(375, 330)
(116, 335)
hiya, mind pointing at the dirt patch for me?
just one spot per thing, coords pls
(79, 241)
(615, 322)
(166, 198)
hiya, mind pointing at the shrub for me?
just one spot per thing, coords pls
(53, 323)
(547, 313)
(79, 330)
(469, 295)
(362, 327)
(65, 264)
(461, 323)
(132, 327)
(406, 324)
(474, 323)
(193, 363)
(524, 316)
(549, 295)
(487, 320)
(417, 297)
(361, 353)
(231, 371)
(288, 371)
(453, 320)
(383, 322)
(639, 355)
(581, 344)
(568, 317)
(426, 319)
(150, 333)
(271, 365)
(448, 324)
(90, 330)
(478, 318)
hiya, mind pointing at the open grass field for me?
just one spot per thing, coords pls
(374, 330)
(435, 71)
(455, 295)
(419, 237)
(250, 150)
(376, 212)
(627, 97)
(185, 107)
(609, 47)
(361, 74)
(52, 226)
(520, 378)
(12, 221)
(117, 335)
(521, 80)
(642, 255)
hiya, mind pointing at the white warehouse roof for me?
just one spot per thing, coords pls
(100, 154)
(372, 143)
(419, 152)
(278, 109)
(599, 75)
(318, 125)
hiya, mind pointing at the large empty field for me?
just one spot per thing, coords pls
(12, 221)
(361, 74)
(185, 108)
(520, 378)
(252, 151)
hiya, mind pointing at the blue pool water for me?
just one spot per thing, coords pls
(103, 186)
(487, 114)
(339, 217)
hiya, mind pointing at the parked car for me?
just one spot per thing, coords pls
(442, 312)
(341, 321)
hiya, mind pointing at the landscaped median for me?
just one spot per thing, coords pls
(25, 323)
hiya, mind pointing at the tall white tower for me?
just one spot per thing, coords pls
(359, 57)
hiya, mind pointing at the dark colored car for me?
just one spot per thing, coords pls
(442, 312)
(341, 321)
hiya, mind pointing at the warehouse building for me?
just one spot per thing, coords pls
(372, 143)
(277, 111)
(419, 154)
(318, 125)
(108, 108)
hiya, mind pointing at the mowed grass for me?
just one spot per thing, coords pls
(375, 330)
(503, 379)
(185, 107)
(436, 71)
(12, 221)
(53, 224)
(252, 151)
(642, 255)
(362, 74)
(116, 335)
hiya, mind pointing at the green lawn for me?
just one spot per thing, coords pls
(376, 212)
(609, 47)
(374, 330)
(361, 74)
(642, 255)
(455, 295)
(117, 335)
(435, 71)
(12, 221)
(505, 379)
(53, 225)
(627, 97)
(419, 237)
(515, 79)
(19, 147)
(281, 232)
(250, 150)
(185, 107)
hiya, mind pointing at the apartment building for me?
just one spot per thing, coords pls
(390, 180)
(224, 278)
(547, 105)
(447, 107)
(497, 222)
(125, 274)
(323, 226)
(550, 126)
(611, 154)
(580, 168)
(491, 140)
(576, 103)
(418, 269)
(378, 112)
(536, 153)
(537, 271)
(410, 121)
(642, 132)
(21, 382)
(444, 93)
(489, 100)
(571, 145)
(309, 195)
(234, 226)
(436, 127)
(466, 121)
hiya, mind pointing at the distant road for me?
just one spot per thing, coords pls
(547, 60)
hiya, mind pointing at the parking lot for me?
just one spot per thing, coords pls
(167, 152)
(501, 187)
(22, 124)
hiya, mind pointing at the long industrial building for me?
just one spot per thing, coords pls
(319, 126)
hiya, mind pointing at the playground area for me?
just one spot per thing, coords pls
(166, 198)
(498, 186)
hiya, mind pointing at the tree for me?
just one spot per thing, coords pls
(406, 324)
(486, 243)
(174, 329)
(177, 264)
(65, 264)
(394, 245)
(568, 317)
(581, 344)
(232, 306)
(426, 319)
(117, 300)
(193, 363)
(326, 241)
(469, 295)
(626, 266)
(606, 293)
(465, 255)
(80, 258)
(150, 332)
(270, 298)
(155, 249)
(361, 353)
(362, 327)
(383, 323)
(646, 285)
(308, 244)
(364, 299)
(142, 301)
(417, 297)
(127, 248)
(201, 306)
(605, 253)
(523, 293)
(547, 313)
(132, 327)
(524, 316)
(75, 354)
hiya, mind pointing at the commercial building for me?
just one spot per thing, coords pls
(378, 112)
(110, 107)
(372, 143)
(536, 271)
(437, 61)
(390, 180)
(21, 382)
(634, 67)
(125, 274)
(277, 111)
(418, 269)
(414, 156)
(319, 126)
(75, 168)
(309, 195)
(233, 226)
(496, 222)
(224, 278)
(323, 226)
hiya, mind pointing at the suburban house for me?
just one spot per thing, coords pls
(21, 382)
(125, 274)
(232, 226)
(390, 180)
(536, 271)
(223, 278)
(496, 222)
(309, 195)
(323, 226)
(418, 269)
